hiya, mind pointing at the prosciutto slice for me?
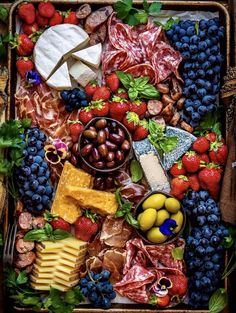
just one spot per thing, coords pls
(140, 51)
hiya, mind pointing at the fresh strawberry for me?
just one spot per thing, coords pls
(191, 162)
(179, 285)
(23, 44)
(131, 121)
(112, 81)
(211, 137)
(41, 21)
(209, 179)
(141, 131)
(90, 88)
(102, 93)
(30, 29)
(204, 159)
(218, 152)
(194, 182)
(24, 65)
(139, 107)
(46, 9)
(26, 12)
(179, 185)
(56, 19)
(70, 18)
(122, 94)
(60, 223)
(163, 301)
(201, 145)
(85, 115)
(76, 128)
(177, 169)
(118, 108)
(100, 108)
(85, 227)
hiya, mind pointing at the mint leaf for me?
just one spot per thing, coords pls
(218, 301)
(122, 8)
(155, 8)
(168, 144)
(170, 23)
(22, 278)
(136, 171)
(197, 27)
(145, 6)
(141, 16)
(131, 20)
(3, 14)
(177, 253)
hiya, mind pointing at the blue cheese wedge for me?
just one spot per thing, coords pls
(91, 55)
(55, 45)
(82, 73)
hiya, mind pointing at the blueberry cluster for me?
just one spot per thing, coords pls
(198, 43)
(74, 99)
(98, 289)
(33, 175)
(204, 247)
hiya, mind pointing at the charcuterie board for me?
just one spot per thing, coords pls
(123, 152)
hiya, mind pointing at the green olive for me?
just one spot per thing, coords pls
(155, 201)
(154, 235)
(162, 215)
(147, 219)
(179, 218)
(172, 205)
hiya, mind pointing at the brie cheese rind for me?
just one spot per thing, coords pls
(55, 45)
(91, 55)
(60, 80)
(82, 73)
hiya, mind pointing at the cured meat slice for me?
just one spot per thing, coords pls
(24, 259)
(143, 70)
(115, 232)
(113, 261)
(154, 107)
(25, 221)
(23, 246)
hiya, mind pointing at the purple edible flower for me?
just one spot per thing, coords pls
(168, 226)
(33, 78)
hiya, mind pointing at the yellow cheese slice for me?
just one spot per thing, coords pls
(47, 256)
(67, 277)
(43, 287)
(74, 243)
(101, 202)
(45, 269)
(66, 283)
(65, 207)
(38, 274)
(59, 287)
(45, 263)
(66, 269)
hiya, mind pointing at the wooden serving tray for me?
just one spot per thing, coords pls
(10, 113)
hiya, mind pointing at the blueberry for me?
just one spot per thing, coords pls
(29, 159)
(192, 88)
(201, 209)
(202, 24)
(196, 117)
(93, 296)
(209, 73)
(26, 186)
(44, 164)
(45, 200)
(47, 174)
(216, 258)
(202, 45)
(213, 30)
(42, 136)
(107, 288)
(202, 110)
(81, 94)
(175, 38)
(190, 109)
(208, 52)
(186, 55)
(188, 82)
(215, 50)
(201, 220)
(39, 144)
(205, 281)
(42, 180)
(200, 73)
(91, 286)
(194, 39)
(41, 153)
(215, 240)
(32, 150)
(34, 132)
(41, 190)
(49, 190)
(111, 295)
(213, 219)
(32, 141)
(197, 262)
(207, 232)
(84, 103)
(26, 171)
(32, 177)
(105, 274)
(191, 75)
(196, 104)
(206, 65)
(204, 195)
(106, 304)
(201, 92)
(208, 42)
(34, 167)
(41, 171)
(209, 250)
(36, 198)
(65, 94)
(39, 207)
(83, 282)
(34, 184)
(169, 32)
(202, 57)
(220, 59)
(185, 39)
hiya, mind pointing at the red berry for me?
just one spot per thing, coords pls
(90, 89)
(24, 65)
(112, 82)
(71, 18)
(191, 162)
(56, 19)
(60, 223)
(177, 169)
(46, 9)
(201, 145)
(139, 107)
(101, 93)
(41, 21)
(26, 13)
(100, 108)
(131, 121)
(85, 116)
(76, 127)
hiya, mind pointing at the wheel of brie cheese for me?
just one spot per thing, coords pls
(53, 49)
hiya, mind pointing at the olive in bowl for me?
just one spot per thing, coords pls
(105, 144)
(161, 218)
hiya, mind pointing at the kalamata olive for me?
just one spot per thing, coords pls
(121, 133)
(75, 148)
(92, 128)
(85, 141)
(110, 145)
(111, 164)
(110, 156)
(86, 149)
(99, 183)
(116, 138)
(113, 126)
(95, 154)
(120, 156)
(110, 183)
(100, 124)
(107, 131)
(90, 159)
(102, 149)
(99, 164)
(101, 137)
(73, 160)
(90, 133)
(125, 145)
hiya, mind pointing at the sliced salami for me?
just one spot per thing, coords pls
(154, 107)
(97, 18)
(159, 120)
(25, 221)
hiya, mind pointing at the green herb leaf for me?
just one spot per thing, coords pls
(132, 221)
(48, 216)
(141, 16)
(22, 278)
(218, 301)
(122, 8)
(170, 23)
(60, 234)
(177, 253)
(48, 229)
(197, 27)
(155, 8)
(168, 144)
(133, 93)
(3, 51)
(140, 82)
(149, 92)
(210, 122)
(145, 6)
(36, 235)
(126, 79)
(136, 171)
(131, 20)
(3, 14)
